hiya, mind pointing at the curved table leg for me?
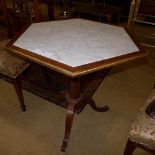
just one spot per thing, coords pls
(72, 98)
(18, 88)
(68, 126)
(96, 108)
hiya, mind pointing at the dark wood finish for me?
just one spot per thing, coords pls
(72, 98)
(18, 88)
(3, 2)
(37, 10)
(96, 108)
(147, 7)
(53, 86)
(81, 90)
(17, 17)
(91, 83)
(104, 13)
(131, 146)
(81, 70)
(83, 80)
(75, 71)
(50, 6)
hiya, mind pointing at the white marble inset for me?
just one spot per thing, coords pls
(76, 42)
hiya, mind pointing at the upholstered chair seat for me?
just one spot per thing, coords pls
(142, 131)
(10, 65)
(18, 13)
(11, 68)
(143, 128)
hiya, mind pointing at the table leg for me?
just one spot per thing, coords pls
(91, 88)
(96, 108)
(75, 98)
(72, 98)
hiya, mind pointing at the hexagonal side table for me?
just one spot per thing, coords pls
(82, 50)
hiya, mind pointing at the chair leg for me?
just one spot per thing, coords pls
(18, 88)
(130, 147)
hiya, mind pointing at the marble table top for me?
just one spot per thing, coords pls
(76, 42)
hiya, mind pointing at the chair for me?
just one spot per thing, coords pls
(19, 13)
(142, 11)
(99, 10)
(11, 68)
(142, 133)
(50, 6)
(142, 14)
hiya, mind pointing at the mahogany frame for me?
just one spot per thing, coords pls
(74, 95)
